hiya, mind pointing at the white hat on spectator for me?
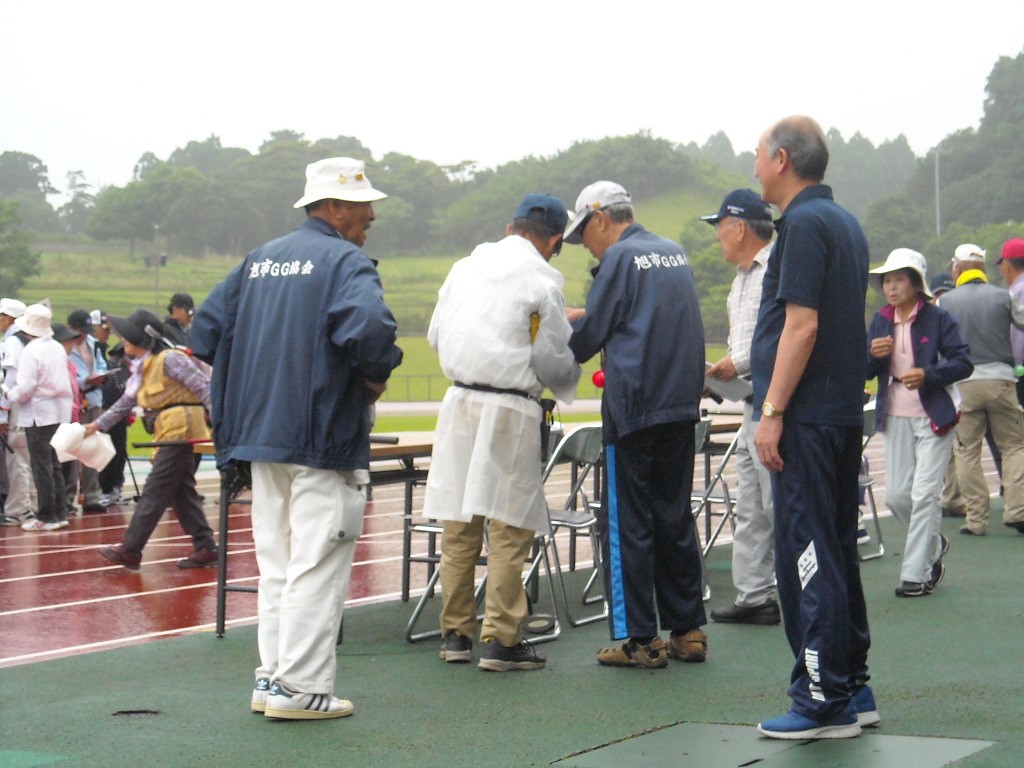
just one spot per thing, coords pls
(969, 252)
(902, 258)
(36, 321)
(11, 308)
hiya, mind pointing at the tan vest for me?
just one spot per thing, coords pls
(158, 393)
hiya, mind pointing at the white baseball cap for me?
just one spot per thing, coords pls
(600, 194)
(11, 308)
(338, 178)
(969, 252)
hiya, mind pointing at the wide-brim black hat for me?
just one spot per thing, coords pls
(133, 328)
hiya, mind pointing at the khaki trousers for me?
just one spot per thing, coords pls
(505, 605)
(993, 403)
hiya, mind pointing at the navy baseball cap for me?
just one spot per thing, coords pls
(543, 209)
(744, 204)
(942, 283)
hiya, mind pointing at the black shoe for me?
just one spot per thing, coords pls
(938, 573)
(945, 546)
(1018, 527)
(912, 589)
(456, 648)
(500, 658)
(765, 614)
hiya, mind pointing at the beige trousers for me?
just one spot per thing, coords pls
(505, 606)
(993, 403)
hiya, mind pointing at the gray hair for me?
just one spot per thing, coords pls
(804, 141)
(763, 230)
(619, 213)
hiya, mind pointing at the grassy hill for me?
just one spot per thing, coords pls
(83, 274)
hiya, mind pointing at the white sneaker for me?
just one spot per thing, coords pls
(283, 704)
(38, 525)
(258, 702)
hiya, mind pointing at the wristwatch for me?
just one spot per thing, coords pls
(770, 411)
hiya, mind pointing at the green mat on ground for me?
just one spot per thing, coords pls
(945, 666)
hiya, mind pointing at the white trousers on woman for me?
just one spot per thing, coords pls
(915, 465)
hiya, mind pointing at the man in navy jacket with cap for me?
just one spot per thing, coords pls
(642, 310)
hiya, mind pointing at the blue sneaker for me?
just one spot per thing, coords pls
(796, 726)
(863, 703)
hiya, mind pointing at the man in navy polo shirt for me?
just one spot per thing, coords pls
(808, 372)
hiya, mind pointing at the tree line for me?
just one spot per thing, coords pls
(208, 198)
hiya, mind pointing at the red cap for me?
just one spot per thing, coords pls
(1013, 249)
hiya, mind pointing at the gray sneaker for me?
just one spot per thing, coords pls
(501, 658)
(456, 648)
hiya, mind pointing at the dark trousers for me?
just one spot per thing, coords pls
(112, 475)
(649, 546)
(171, 483)
(817, 567)
(46, 473)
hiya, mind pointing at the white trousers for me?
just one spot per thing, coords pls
(20, 486)
(915, 465)
(753, 547)
(305, 523)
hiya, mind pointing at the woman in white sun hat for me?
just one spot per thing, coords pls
(916, 351)
(46, 398)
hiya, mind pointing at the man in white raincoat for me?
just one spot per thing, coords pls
(500, 331)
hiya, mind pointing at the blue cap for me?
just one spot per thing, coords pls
(744, 204)
(543, 209)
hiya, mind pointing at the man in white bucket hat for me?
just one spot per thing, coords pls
(302, 345)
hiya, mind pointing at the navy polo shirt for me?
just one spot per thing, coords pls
(820, 261)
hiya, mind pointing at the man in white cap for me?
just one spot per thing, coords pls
(643, 312)
(18, 505)
(45, 396)
(302, 345)
(985, 314)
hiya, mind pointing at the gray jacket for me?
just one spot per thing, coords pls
(984, 313)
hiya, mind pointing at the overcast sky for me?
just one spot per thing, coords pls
(92, 86)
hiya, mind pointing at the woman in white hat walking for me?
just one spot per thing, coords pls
(916, 351)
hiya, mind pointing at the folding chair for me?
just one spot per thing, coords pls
(583, 449)
(866, 483)
(707, 498)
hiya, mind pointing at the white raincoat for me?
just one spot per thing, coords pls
(486, 459)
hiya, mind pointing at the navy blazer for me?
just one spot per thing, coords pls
(938, 348)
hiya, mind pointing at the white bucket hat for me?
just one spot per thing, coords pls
(901, 258)
(338, 178)
(36, 321)
(11, 308)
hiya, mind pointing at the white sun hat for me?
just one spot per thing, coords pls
(338, 178)
(902, 258)
(36, 321)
